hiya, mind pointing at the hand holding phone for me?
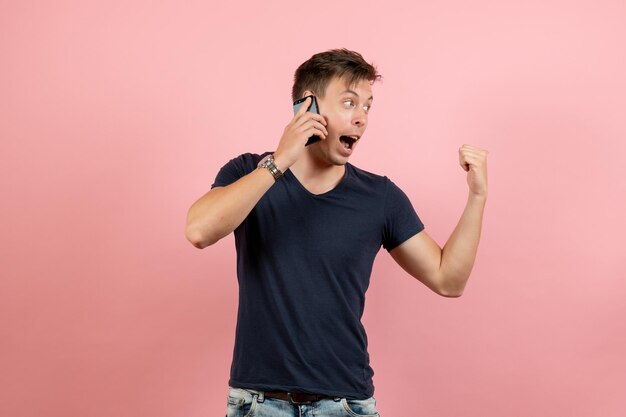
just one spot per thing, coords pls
(312, 108)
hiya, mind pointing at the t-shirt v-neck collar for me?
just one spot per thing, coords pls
(292, 177)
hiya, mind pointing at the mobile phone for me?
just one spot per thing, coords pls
(312, 108)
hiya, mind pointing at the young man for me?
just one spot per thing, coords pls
(308, 226)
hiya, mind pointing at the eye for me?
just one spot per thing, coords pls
(367, 108)
(348, 103)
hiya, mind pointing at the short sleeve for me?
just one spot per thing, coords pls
(236, 168)
(401, 220)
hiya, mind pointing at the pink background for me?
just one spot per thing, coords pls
(115, 117)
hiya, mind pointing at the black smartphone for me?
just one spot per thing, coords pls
(312, 108)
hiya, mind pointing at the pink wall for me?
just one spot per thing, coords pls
(115, 117)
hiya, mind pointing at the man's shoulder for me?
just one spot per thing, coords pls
(368, 177)
(250, 157)
(374, 183)
(236, 168)
(248, 160)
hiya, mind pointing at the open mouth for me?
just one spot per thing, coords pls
(348, 141)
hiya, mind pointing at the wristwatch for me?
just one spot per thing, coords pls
(268, 163)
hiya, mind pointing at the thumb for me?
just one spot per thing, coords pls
(464, 164)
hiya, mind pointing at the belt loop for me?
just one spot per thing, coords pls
(261, 397)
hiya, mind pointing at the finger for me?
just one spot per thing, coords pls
(469, 161)
(302, 110)
(305, 106)
(471, 166)
(308, 116)
(474, 159)
(472, 148)
(306, 122)
(315, 131)
(473, 153)
(321, 127)
(319, 118)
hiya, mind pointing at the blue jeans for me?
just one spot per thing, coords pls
(251, 403)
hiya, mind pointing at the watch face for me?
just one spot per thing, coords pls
(268, 163)
(264, 162)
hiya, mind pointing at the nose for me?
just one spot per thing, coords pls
(359, 117)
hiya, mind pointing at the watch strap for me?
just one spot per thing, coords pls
(269, 164)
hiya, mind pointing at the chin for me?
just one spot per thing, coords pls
(330, 151)
(335, 158)
(339, 160)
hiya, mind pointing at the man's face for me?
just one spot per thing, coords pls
(345, 108)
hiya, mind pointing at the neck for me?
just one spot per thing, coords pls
(317, 175)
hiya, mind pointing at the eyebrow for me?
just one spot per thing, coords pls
(354, 92)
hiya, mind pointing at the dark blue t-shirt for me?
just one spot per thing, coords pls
(303, 264)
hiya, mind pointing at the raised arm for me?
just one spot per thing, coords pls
(222, 209)
(447, 270)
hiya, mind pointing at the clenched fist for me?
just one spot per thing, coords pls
(474, 161)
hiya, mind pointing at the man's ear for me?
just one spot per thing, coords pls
(307, 93)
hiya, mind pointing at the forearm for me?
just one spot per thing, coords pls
(221, 210)
(459, 253)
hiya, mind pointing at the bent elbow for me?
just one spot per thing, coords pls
(197, 238)
(451, 291)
